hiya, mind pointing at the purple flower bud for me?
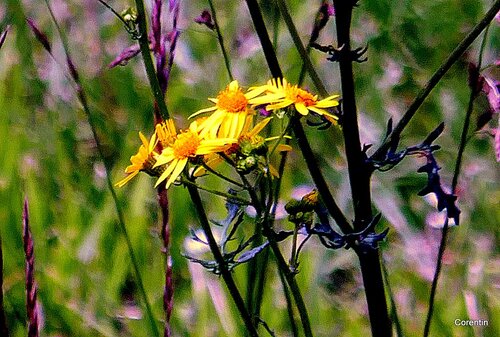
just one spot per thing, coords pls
(325, 11)
(40, 36)
(126, 55)
(4, 35)
(491, 88)
(264, 112)
(156, 25)
(205, 18)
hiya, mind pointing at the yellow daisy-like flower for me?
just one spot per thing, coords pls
(144, 160)
(283, 94)
(166, 133)
(187, 144)
(231, 109)
(249, 136)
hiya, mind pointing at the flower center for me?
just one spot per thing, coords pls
(232, 100)
(300, 96)
(186, 145)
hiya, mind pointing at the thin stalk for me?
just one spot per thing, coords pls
(115, 13)
(394, 309)
(293, 256)
(4, 331)
(221, 40)
(304, 53)
(148, 61)
(226, 274)
(220, 175)
(221, 194)
(294, 287)
(289, 305)
(305, 147)
(168, 290)
(121, 219)
(456, 173)
(359, 177)
(437, 76)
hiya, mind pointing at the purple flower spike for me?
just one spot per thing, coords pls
(126, 55)
(325, 11)
(32, 308)
(205, 18)
(4, 35)
(491, 88)
(40, 36)
(156, 25)
(172, 4)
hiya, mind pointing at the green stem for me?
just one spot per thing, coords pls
(436, 77)
(221, 40)
(294, 288)
(4, 331)
(115, 13)
(226, 274)
(304, 54)
(220, 175)
(394, 309)
(107, 167)
(289, 305)
(148, 61)
(456, 173)
(219, 193)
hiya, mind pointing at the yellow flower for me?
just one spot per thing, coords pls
(249, 139)
(142, 161)
(166, 133)
(231, 109)
(186, 145)
(282, 94)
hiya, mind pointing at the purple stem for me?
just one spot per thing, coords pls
(168, 293)
(31, 285)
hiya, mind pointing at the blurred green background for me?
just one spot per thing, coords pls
(86, 283)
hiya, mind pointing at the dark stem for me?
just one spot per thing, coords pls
(298, 130)
(221, 40)
(148, 61)
(304, 53)
(168, 292)
(456, 173)
(226, 274)
(107, 167)
(289, 305)
(359, 177)
(294, 287)
(267, 46)
(394, 309)
(436, 77)
(4, 331)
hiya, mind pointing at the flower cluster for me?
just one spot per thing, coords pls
(228, 133)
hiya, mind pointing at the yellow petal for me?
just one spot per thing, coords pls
(233, 86)
(177, 171)
(258, 128)
(301, 108)
(199, 112)
(167, 172)
(125, 180)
